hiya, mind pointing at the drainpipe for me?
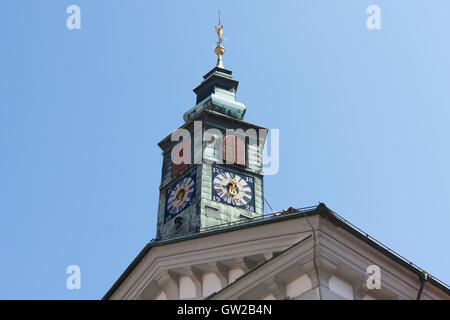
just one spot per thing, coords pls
(423, 277)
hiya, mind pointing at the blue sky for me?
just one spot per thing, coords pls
(363, 118)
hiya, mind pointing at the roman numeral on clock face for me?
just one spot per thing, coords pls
(232, 188)
(180, 196)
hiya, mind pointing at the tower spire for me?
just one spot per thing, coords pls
(219, 50)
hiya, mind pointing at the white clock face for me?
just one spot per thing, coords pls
(233, 189)
(180, 196)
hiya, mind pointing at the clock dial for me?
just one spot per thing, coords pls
(233, 188)
(180, 196)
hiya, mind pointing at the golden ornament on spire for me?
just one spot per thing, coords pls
(219, 30)
(219, 50)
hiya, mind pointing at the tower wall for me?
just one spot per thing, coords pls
(229, 193)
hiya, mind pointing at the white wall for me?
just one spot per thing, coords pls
(210, 283)
(340, 287)
(298, 286)
(161, 296)
(187, 288)
(233, 274)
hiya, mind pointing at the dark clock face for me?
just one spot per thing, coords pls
(233, 188)
(180, 196)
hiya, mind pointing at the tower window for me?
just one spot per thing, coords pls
(181, 156)
(233, 150)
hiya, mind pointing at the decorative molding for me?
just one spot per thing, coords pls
(276, 287)
(168, 281)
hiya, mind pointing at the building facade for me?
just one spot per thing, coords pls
(307, 254)
(214, 242)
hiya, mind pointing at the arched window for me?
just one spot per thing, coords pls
(233, 150)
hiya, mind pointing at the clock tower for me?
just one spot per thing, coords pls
(212, 173)
(213, 241)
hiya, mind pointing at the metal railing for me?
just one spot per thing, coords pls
(241, 222)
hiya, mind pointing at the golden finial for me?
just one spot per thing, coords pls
(220, 50)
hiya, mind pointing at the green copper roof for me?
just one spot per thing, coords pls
(217, 92)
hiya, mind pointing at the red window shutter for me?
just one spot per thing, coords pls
(233, 150)
(177, 168)
(229, 154)
(240, 152)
